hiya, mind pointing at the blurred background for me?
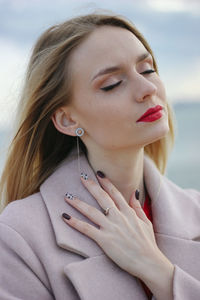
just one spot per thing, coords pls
(171, 27)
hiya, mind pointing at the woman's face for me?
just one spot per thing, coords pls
(109, 115)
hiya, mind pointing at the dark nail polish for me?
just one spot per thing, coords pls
(137, 194)
(66, 216)
(101, 174)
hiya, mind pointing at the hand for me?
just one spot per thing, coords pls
(125, 234)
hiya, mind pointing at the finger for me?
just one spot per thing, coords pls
(135, 204)
(113, 192)
(98, 193)
(89, 211)
(82, 227)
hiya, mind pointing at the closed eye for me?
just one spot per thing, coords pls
(110, 87)
(148, 71)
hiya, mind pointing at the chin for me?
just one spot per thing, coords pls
(158, 134)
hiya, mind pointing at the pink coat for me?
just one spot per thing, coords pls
(42, 258)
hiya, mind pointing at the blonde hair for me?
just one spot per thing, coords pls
(37, 147)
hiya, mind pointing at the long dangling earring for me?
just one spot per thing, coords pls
(79, 132)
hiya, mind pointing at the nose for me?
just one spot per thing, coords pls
(144, 88)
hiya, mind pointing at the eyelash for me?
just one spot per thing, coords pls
(110, 87)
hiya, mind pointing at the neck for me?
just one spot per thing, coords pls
(123, 168)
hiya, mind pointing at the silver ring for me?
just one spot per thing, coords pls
(106, 211)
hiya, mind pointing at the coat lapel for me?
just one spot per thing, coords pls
(99, 278)
(175, 220)
(175, 210)
(65, 179)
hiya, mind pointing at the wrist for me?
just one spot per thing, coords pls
(159, 279)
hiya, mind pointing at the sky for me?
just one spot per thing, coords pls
(172, 28)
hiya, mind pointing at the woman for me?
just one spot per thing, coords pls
(106, 223)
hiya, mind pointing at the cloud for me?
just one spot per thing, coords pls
(192, 6)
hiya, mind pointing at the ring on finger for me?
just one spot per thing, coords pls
(106, 211)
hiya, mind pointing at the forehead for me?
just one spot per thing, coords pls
(106, 45)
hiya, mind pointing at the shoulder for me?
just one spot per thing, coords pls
(189, 193)
(24, 238)
(28, 217)
(26, 207)
(185, 200)
(181, 206)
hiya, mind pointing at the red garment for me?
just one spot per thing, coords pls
(148, 212)
(147, 208)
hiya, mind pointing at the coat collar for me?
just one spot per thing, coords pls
(169, 204)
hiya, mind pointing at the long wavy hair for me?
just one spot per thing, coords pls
(38, 147)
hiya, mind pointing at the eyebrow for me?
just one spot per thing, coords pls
(118, 67)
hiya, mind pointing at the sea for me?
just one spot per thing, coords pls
(184, 161)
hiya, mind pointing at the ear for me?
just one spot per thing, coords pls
(63, 122)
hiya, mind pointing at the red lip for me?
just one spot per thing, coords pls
(149, 112)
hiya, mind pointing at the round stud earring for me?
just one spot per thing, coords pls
(79, 131)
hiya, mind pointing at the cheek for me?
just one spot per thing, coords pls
(104, 117)
(98, 111)
(104, 122)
